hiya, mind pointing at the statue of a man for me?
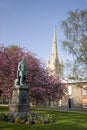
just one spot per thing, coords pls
(21, 73)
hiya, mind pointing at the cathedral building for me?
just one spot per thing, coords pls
(77, 90)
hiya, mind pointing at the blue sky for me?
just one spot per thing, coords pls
(30, 23)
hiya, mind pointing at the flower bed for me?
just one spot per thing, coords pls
(31, 118)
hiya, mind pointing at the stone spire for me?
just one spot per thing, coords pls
(54, 64)
(54, 55)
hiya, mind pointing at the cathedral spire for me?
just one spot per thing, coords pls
(54, 63)
(54, 36)
(54, 47)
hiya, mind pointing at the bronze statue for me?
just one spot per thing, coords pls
(21, 73)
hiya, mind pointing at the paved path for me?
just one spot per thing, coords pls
(64, 109)
(3, 104)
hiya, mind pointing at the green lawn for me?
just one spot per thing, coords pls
(64, 121)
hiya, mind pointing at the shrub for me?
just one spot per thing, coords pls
(17, 119)
(2, 116)
(31, 118)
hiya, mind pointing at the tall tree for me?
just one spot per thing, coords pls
(38, 80)
(75, 31)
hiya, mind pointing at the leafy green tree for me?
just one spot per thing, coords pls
(75, 31)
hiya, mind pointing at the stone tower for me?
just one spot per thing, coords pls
(54, 64)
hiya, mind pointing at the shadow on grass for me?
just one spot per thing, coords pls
(63, 121)
(13, 126)
(58, 126)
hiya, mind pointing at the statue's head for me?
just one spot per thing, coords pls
(23, 58)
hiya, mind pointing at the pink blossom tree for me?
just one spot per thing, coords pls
(41, 85)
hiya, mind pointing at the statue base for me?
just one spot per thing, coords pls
(20, 99)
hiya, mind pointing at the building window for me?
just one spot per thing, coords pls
(84, 91)
(69, 90)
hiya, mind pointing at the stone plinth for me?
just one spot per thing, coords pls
(20, 99)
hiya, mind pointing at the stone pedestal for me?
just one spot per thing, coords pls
(20, 99)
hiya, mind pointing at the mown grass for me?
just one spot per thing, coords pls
(3, 108)
(63, 121)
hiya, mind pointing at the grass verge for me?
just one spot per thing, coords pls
(64, 121)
